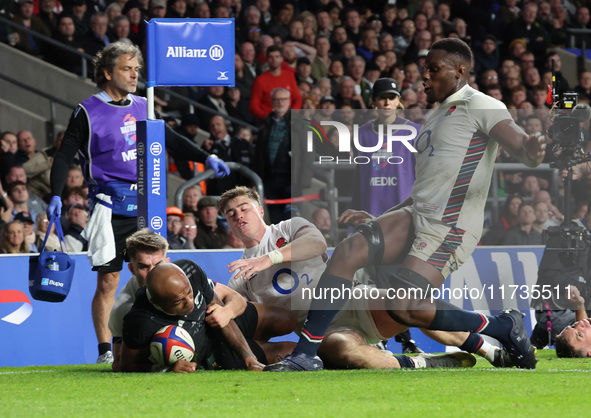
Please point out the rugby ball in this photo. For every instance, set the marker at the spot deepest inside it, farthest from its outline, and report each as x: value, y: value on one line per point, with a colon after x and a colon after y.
x: 170, y: 344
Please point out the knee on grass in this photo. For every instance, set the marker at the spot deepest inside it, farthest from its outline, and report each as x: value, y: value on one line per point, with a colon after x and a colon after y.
x: 341, y: 350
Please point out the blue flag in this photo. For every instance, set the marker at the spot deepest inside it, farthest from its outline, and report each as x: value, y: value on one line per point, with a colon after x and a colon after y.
x: 190, y: 52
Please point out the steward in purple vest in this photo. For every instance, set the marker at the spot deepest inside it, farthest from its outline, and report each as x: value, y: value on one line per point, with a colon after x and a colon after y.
x: 102, y: 132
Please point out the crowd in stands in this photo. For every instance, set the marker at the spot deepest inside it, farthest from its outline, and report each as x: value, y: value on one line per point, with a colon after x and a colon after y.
x: 25, y: 191
x: 310, y: 54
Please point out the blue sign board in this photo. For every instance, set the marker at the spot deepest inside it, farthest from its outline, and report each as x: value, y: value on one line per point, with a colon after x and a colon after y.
x: 190, y: 52
x: 151, y: 176
x: 43, y: 333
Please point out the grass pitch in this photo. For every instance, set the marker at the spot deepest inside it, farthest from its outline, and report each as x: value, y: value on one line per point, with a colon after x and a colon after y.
x: 557, y: 386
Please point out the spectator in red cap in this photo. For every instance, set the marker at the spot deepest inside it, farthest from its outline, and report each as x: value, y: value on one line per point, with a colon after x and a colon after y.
x: 174, y: 224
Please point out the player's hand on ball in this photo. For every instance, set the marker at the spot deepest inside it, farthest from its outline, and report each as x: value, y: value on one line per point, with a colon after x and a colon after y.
x: 354, y: 217
x: 184, y: 366
x: 253, y: 364
x: 217, y: 316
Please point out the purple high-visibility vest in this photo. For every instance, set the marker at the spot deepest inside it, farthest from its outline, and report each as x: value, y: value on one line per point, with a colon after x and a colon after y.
x: 111, y: 153
x: 387, y: 180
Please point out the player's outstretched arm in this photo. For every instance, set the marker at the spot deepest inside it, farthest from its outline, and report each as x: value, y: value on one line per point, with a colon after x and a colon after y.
x: 138, y: 360
x: 529, y: 149
x: 355, y: 217
x: 77, y: 129
x: 135, y: 360
x: 308, y: 243
x: 578, y: 303
x: 230, y: 305
x: 235, y: 339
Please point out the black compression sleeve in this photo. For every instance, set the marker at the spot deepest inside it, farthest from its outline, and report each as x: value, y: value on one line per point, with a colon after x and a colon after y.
x: 75, y: 133
x: 181, y: 147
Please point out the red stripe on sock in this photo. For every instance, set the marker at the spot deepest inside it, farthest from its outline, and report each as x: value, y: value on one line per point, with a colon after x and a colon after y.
x: 484, y: 322
x: 480, y: 344
x: 313, y: 337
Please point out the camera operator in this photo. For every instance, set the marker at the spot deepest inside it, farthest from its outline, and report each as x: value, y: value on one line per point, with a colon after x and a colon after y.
x: 575, y: 340
x: 565, y: 266
x: 557, y: 270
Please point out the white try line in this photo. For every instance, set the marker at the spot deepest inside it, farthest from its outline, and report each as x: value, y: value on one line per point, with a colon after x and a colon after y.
x: 516, y: 370
x: 29, y: 371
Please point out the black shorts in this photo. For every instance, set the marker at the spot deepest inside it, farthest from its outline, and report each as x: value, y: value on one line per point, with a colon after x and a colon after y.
x: 248, y: 321
x: 123, y: 227
x: 228, y: 359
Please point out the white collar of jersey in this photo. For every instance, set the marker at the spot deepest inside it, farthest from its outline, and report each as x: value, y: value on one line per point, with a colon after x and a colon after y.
x: 249, y: 252
x: 456, y: 95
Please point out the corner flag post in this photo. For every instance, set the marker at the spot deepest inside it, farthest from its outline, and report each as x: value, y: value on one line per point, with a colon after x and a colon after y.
x: 181, y: 52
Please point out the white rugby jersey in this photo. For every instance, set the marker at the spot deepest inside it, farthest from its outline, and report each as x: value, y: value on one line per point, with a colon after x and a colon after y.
x: 455, y: 160
x: 282, y: 284
x: 122, y: 305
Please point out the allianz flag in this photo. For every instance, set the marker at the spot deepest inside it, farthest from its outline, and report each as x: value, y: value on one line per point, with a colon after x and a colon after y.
x: 190, y: 52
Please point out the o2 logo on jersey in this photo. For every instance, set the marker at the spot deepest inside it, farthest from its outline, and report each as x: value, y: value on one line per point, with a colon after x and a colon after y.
x: 423, y: 143
x: 128, y: 129
x: 296, y: 281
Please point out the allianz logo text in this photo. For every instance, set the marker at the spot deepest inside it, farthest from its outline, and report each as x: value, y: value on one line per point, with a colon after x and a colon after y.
x: 216, y: 52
